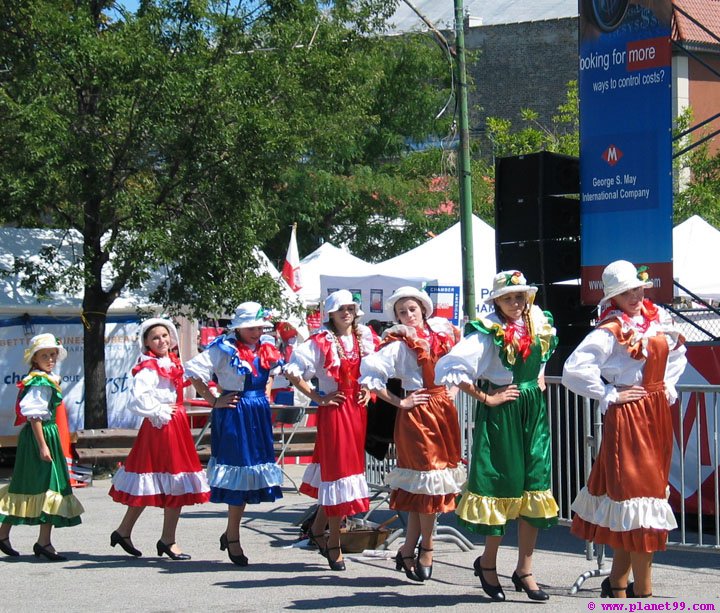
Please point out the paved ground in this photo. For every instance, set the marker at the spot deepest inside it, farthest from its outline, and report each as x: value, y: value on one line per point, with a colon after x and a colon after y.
x: 281, y: 577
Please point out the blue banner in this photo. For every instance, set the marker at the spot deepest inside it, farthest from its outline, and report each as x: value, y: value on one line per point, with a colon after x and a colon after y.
x: 625, y: 141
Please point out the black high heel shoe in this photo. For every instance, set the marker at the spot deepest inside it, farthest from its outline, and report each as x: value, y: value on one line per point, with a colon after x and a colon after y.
x: 608, y: 591
x: 531, y: 594
x: 335, y: 564
x: 7, y: 549
x: 124, y: 541
x: 400, y: 565
x: 423, y: 572
x: 494, y: 591
x: 237, y: 559
x: 164, y: 548
x: 42, y: 550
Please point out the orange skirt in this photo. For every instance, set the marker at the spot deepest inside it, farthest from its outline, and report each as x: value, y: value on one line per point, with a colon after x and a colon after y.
x: 625, y: 503
x: 428, y: 476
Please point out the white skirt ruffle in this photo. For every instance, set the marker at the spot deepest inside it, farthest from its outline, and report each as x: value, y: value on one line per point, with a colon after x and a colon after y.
x: 333, y: 493
x: 243, y: 478
x: 428, y: 482
x: 626, y: 515
x: 153, y: 484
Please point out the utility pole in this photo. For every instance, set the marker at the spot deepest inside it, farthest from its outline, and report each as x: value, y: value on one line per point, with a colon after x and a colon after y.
x: 466, y: 234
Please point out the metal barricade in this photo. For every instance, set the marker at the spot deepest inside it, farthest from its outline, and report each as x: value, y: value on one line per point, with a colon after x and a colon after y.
x: 576, y: 433
x: 694, y: 471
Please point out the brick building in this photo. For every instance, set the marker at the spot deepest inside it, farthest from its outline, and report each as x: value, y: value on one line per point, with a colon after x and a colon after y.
x: 526, y: 51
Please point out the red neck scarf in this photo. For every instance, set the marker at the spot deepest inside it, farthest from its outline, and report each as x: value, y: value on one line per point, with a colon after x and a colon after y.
x: 175, y: 373
x: 518, y: 335
x: 648, y: 311
x: 440, y: 343
x: 269, y: 355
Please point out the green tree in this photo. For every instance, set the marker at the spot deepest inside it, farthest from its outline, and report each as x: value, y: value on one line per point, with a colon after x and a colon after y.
x: 697, y: 172
x: 171, y: 138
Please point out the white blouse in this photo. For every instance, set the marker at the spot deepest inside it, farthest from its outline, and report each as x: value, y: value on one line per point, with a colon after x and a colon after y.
x: 307, y: 361
x: 477, y: 357
x: 397, y: 360
x: 153, y: 396
x: 600, y: 364
x: 34, y: 404
x: 214, y: 361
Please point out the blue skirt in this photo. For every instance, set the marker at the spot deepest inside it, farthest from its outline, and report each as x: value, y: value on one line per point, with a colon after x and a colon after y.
x: 242, y: 466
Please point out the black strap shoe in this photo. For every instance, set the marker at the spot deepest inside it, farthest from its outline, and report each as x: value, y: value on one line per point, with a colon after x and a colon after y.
x: 124, y: 541
x: 52, y: 556
x: 164, y: 548
x: 531, y: 594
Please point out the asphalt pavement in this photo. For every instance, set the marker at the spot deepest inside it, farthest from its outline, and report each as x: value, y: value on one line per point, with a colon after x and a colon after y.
x: 284, y: 575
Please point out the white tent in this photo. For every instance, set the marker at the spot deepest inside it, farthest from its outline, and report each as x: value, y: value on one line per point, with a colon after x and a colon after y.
x: 327, y: 260
x: 696, y: 253
x: 436, y: 263
x: 441, y: 258
x: 27, y: 244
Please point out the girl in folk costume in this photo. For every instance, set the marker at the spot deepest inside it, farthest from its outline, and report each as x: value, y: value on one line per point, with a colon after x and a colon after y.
x: 510, y: 470
x: 242, y: 467
x: 163, y: 468
x: 630, y: 364
x: 428, y: 475
x: 39, y: 492
x: 336, y: 476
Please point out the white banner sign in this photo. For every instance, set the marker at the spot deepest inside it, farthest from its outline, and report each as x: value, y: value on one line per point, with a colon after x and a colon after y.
x: 121, y: 352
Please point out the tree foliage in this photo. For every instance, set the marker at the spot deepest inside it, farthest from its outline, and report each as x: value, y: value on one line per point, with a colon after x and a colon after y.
x: 183, y: 136
x: 697, y: 188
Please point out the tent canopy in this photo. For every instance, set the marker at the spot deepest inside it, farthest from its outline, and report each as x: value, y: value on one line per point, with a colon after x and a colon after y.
x: 441, y: 258
x: 327, y: 260
x: 696, y: 251
x: 27, y: 244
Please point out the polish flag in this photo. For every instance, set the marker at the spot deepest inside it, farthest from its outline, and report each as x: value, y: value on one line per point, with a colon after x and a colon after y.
x: 291, y: 267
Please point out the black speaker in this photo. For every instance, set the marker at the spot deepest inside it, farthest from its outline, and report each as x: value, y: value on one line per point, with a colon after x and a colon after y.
x: 523, y: 177
x: 526, y: 202
x: 537, y: 219
x: 563, y: 301
x: 542, y: 262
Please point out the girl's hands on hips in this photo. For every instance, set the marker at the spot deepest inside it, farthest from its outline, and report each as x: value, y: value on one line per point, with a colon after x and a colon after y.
x: 414, y: 399
x: 226, y: 401
x: 363, y: 396
x: 331, y: 399
x: 630, y: 393
x: 502, y: 395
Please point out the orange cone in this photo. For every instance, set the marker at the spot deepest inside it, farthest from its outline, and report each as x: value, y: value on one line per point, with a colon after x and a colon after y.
x: 61, y: 420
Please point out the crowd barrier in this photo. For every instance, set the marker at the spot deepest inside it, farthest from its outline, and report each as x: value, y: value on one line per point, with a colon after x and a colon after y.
x: 576, y: 433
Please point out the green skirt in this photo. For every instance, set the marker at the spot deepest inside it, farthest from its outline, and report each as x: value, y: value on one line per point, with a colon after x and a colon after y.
x: 510, y: 470
x: 39, y: 492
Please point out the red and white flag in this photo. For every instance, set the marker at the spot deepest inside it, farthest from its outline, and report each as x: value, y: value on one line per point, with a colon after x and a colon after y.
x: 291, y: 267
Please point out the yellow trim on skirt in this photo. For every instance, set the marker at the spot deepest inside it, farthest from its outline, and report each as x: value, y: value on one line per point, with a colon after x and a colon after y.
x: 34, y: 505
x: 491, y: 511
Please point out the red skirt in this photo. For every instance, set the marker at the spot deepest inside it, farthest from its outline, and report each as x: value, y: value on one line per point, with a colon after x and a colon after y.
x: 163, y: 468
x: 336, y: 476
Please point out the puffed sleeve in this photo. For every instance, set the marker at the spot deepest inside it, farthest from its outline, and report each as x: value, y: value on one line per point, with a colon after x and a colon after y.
x: 378, y: 367
x: 677, y: 360
x: 582, y: 372
x: 367, y: 340
x: 303, y: 361
x: 144, y: 400
x: 34, y: 405
x: 466, y: 361
x: 200, y: 367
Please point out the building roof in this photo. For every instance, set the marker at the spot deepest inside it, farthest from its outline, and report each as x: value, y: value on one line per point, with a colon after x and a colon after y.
x: 707, y: 12
x: 479, y: 12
